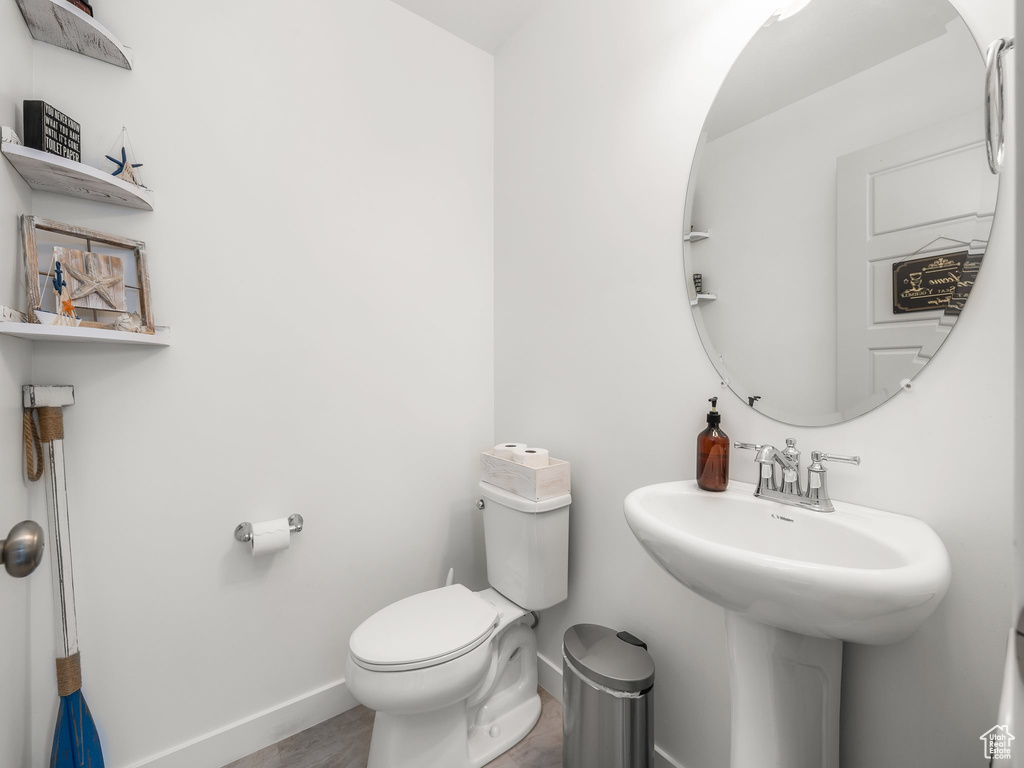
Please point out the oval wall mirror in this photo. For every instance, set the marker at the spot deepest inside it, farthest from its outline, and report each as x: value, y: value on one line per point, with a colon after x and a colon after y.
x: 839, y: 205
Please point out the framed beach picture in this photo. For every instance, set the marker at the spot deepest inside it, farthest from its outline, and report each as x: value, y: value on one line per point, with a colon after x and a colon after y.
x: 80, y: 277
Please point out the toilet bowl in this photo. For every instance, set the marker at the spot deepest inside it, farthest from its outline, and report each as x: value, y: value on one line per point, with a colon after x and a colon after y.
x: 452, y: 673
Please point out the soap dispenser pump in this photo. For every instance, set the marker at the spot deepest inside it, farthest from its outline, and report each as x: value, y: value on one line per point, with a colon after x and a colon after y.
x: 713, y: 453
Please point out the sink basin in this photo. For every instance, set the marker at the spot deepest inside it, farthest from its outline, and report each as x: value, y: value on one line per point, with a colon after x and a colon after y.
x: 794, y: 583
x: 856, y: 574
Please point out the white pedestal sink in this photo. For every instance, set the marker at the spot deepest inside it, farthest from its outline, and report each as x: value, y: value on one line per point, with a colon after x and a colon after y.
x: 795, y: 584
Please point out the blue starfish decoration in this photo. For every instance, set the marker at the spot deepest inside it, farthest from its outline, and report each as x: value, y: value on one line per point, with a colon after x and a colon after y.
x: 122, y: 163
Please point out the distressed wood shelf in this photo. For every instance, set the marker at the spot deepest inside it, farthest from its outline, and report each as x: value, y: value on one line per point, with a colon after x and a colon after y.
x: 34, y: 332
x: 59, y: 23
x: 695, y: 236
x: 702, y: 297
x: 49, y: 173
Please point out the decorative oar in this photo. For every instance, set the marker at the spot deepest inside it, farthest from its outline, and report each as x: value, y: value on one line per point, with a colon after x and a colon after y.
x: 75, y: 741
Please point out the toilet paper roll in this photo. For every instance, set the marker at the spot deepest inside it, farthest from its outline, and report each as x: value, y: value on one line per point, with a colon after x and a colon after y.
x: 504, y: 450
x: 530, y: 457
x: 271, y: 536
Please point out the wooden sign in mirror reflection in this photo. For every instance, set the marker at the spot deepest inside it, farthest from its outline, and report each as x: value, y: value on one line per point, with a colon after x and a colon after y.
x: 928, y: 284
x: 968, y: 274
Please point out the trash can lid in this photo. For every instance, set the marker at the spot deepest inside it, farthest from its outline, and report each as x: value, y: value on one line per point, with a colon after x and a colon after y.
x: 616, y: 660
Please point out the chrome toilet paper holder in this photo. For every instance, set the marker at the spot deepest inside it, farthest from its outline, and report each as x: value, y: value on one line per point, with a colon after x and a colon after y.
x: 243, y: 532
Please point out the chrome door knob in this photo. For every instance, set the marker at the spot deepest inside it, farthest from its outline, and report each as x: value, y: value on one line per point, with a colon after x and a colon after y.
x: 22, y: 550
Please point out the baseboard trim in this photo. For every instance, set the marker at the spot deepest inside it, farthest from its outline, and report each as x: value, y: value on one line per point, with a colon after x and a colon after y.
x: 253, y: 733
x: 549, y: 675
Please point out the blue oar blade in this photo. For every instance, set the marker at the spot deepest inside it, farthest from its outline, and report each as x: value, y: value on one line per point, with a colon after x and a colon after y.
x: 75, y: 741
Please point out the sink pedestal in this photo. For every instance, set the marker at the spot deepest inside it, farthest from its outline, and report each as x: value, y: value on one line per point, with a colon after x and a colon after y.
x: 785, y: 697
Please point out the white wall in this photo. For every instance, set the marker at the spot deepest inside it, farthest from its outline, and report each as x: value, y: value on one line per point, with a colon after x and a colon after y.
x: 1015, y: 687
x: 599, y: 106
x: 773, y: 214
x: 15, y: 362
x: 322, y: 248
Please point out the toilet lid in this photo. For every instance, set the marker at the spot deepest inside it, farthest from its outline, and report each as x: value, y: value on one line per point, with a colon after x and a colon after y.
x: 424, y: 630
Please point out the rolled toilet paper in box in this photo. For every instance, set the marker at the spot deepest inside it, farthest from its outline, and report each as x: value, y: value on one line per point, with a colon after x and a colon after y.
x: 530, y: 457
x: 504, y: 450
x: 271, y: 536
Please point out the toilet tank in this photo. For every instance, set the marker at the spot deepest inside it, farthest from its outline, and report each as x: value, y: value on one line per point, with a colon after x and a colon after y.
x: 527, y: 547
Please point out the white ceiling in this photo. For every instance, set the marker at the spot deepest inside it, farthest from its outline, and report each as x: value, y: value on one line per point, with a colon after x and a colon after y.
x: 487, y: 24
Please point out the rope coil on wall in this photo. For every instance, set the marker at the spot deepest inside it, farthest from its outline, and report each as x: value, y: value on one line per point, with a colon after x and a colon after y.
x: 33, y: 447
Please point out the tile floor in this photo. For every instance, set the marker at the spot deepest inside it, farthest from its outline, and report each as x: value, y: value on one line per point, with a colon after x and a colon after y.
x: 344, y: 742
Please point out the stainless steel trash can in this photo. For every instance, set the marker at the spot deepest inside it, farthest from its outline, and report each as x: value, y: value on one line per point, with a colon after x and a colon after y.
x: 607, y: 706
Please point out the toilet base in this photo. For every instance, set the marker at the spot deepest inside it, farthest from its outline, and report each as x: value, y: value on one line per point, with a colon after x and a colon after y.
x: 487, y: 743
x: 472, y: 732
x: 441, y: 738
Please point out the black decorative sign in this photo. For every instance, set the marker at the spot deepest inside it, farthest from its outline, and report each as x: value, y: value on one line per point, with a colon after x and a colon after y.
x: 51, y: 131
x: 934, y: 282
x: 968, y: 274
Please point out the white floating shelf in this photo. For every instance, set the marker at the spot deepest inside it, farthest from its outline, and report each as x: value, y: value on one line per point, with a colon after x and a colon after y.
x: 50, y: 173
x: 702, y: 297
x: 35, y: 332
x: 59, y: 23
x: 695, y: 236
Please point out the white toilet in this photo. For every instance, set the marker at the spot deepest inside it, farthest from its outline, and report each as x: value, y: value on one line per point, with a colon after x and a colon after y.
x: 452, y: 673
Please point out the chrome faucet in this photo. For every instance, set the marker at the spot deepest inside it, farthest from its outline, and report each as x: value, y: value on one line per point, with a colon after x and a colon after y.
x: 791, y: 490
x: 791, y: 470
x: 769, y: 458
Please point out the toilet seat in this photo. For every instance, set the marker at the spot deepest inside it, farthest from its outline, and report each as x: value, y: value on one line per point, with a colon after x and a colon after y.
x: 424, y: 630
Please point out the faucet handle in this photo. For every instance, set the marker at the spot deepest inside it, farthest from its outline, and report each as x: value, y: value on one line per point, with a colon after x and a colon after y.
x: 791, y: 442
x: 818, y: 456
x: 766, y: 479
x: 817, y: 479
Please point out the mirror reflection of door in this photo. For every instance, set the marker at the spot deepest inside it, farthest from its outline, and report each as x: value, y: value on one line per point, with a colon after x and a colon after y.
x: 846, y: 139
x: 910, y: 197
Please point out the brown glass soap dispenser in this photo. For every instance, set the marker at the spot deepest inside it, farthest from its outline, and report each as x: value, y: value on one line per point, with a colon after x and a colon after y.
x: 713, y: 453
